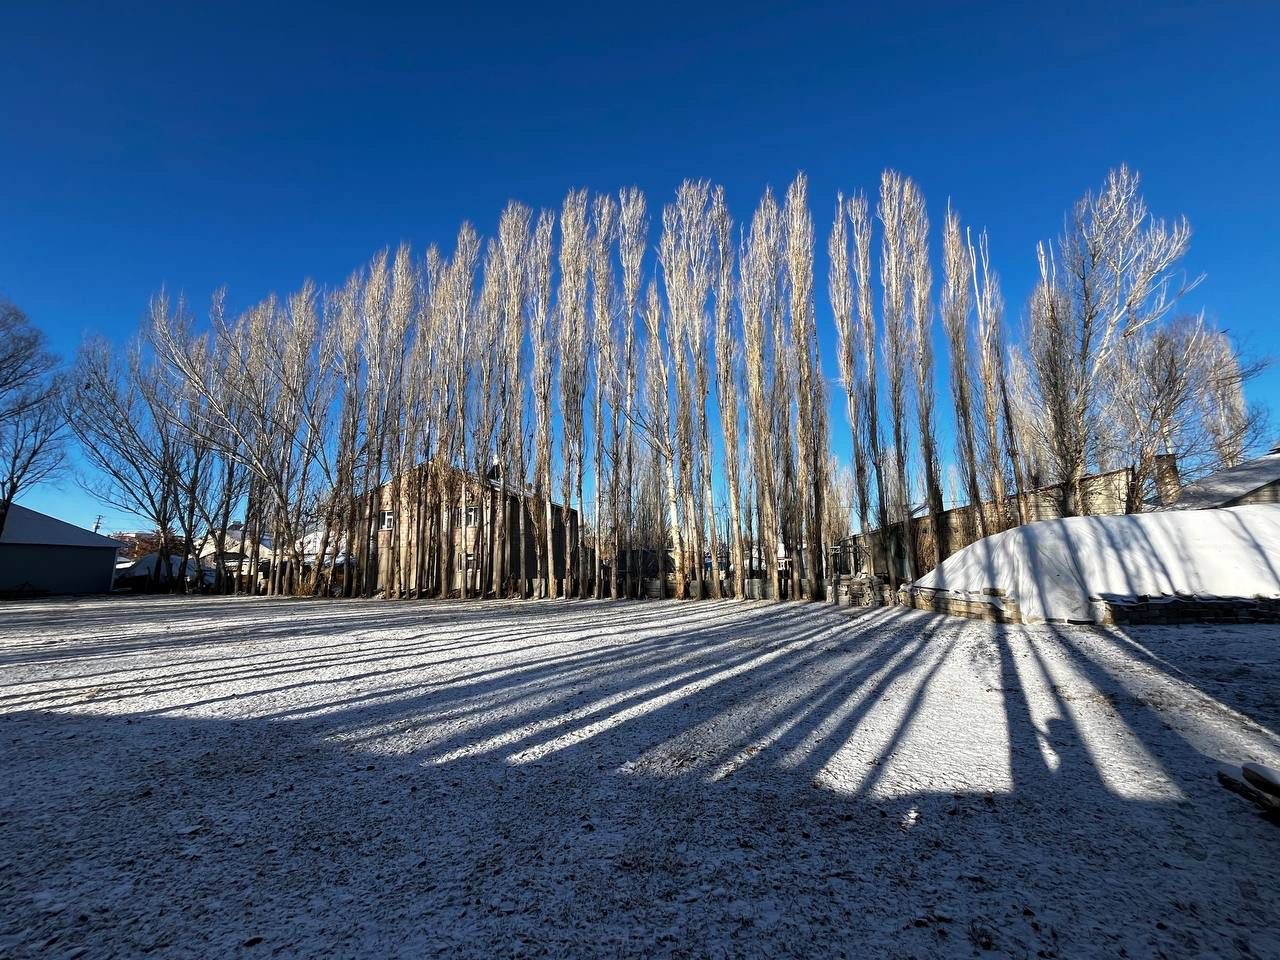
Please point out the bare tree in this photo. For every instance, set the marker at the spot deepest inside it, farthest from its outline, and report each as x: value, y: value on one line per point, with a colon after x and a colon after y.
x: 841, y: 502
x: 31, y: 447
x: 380, y: 427
x: 24, y: 358
x: 685, y: 252
x: 1167, y: 395
x: 543, y: 339
x: 339, y: 465
x: 757, y: 297
x: 430, y: 425
x: 658, y: 428
x: 485, y: 402
x: 573, y: 342
x: 998, y: 416
x: 190, y: 453
x: 894, y: 267
x: 269, y: 409
x: 783, y: 416
x: 860, y: 222
x: 1231, y: 423
x: 685, y: 255
x: 436, y: 360
x: 512, y: 250
x: 633, y: 228
x: 811, y: 399
x: 920, y: 282
x: 848, y: 354
x: 728, y: 393
x: 701, y: 263
x: 124, y: 439
x: 399, y: 448
x: 604, y: 227
x: 1110, y: 274
x: 460, y: 333
x: 956, y: 308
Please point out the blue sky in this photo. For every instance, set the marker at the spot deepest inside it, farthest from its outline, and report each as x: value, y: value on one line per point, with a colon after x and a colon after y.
x: 254, y: 146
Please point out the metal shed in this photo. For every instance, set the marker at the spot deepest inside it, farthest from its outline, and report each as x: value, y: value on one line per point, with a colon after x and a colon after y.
x: 40, y: 554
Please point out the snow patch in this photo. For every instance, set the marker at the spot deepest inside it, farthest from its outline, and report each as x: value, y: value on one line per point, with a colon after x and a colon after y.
x: 1061, y: 569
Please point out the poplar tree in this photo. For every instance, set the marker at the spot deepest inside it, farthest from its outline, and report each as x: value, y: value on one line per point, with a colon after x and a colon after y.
x: 573, y: 342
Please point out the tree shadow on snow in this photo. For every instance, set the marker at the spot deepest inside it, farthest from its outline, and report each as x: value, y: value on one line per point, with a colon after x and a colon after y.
x: 737, y: 780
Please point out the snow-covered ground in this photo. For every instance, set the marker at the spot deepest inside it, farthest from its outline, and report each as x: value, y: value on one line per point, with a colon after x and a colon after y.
x: 1056, y: 569
x: 291, y: 778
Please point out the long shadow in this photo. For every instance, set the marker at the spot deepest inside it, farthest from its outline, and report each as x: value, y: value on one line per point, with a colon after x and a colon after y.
x: 513, y: 755
x: 269, y: 618
x: 914, y: 703
x: 1258, y: 548
x: 798, y: 654
x: 1063, y: 735
x: 838, y: 708
x: 1119, y: 555
x: 136, y: 833
x: 628, y: 682
x: 308, y: 659
x: 1260, y: 713
x: 1025, y: 761
x: 534, y: 671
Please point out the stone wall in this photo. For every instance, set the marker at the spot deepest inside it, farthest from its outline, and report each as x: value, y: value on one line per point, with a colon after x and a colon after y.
x: 993, y: 606
x: 863, y: 592
x: 1192, y: 610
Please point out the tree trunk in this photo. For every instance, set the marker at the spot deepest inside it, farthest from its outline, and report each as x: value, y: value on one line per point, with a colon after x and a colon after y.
x: 709, y: 494
x: 677, y: 537
x: 549, y: 585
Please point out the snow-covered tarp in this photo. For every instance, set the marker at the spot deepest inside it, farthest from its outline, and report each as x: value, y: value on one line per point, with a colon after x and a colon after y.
x: 145, y: 566
x: 1058, y: 569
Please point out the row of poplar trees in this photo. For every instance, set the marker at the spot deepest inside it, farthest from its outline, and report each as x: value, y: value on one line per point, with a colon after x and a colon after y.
x: 675, y: 398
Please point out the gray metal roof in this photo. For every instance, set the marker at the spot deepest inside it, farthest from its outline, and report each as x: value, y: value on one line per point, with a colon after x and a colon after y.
x: 1226, y: 486
x: 27, y: 526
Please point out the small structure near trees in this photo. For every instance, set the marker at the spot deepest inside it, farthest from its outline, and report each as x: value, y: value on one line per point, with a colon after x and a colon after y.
x: 42, y: 555
x: 1254, y: 481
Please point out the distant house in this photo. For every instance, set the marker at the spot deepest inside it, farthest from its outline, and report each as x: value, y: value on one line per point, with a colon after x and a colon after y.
x: 405, y: 536
x: 237, y: 551
x: 40, y: 554
x: 1255, y: 481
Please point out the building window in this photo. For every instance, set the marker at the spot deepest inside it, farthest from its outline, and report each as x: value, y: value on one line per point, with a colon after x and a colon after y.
x: 388, y: 519
x: 473, y: 516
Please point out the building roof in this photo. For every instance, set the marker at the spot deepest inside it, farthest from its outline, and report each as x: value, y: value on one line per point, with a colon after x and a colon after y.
x: 29, y: 527
x: 237, y: 541
x: 1226, y: 486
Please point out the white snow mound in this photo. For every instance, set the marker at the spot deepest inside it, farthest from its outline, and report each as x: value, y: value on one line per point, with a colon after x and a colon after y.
x: 1054, y: 569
